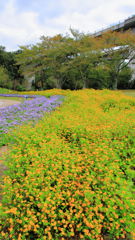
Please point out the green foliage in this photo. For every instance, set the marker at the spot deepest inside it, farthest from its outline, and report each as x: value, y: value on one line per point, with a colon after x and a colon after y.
x: 124, y: 78
x: 79, y: 61
x: 109, y: 104
x: 5, y: 91
x: 4, y: 78
x: 98, y: 77
x: 8, y: 62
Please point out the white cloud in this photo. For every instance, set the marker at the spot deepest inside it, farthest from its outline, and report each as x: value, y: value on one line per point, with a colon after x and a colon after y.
x: 25, y: 27
x: 20, y: 28
x: 97, y: 15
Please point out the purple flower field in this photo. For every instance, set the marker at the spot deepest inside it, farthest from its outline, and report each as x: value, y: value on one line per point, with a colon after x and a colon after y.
x: 30, y: 110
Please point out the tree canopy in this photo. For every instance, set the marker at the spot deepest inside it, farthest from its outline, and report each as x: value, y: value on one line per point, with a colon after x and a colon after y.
x: 75, y: 61
x: 9, y: 70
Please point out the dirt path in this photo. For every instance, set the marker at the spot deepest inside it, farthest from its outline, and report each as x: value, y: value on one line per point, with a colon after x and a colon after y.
x: 6, y: 102
x: 4, y: 149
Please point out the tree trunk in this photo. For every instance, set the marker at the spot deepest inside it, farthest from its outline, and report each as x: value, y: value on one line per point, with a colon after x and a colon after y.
x: 115, y: 83
x: 84, y: 84
x: 83, y: 80
x: 58, y: 83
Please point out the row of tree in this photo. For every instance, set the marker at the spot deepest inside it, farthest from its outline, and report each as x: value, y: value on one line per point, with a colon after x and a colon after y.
x: 74, y: 61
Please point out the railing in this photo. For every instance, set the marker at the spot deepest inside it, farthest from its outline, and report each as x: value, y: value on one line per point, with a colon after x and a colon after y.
x: 117, y: 26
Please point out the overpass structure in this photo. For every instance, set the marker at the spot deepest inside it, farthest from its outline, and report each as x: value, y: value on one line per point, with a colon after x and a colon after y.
x: 127, y: 24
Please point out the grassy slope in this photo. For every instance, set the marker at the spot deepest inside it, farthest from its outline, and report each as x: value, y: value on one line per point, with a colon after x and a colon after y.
x: 6, y: 91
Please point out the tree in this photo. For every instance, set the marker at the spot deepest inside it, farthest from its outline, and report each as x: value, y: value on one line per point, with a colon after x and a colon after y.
x: 4, y: 78
x: 63, y: 59
x: 118, y: 52
x: 8, y: 62
x: 79, y: 60
x: 124, y: 78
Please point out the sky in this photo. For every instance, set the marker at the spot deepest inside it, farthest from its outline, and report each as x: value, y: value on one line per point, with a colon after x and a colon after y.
x: 23, y: 22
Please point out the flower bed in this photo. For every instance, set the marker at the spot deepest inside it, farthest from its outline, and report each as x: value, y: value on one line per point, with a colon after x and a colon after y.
x: 71, y: 176
x: 30, y: 110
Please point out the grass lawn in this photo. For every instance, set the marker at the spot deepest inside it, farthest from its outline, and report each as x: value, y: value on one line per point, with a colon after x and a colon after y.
x: 129, y: 92
x: 13, y: 98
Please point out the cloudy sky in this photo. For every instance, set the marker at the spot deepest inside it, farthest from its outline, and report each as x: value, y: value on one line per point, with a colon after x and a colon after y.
x: 24, y: 21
